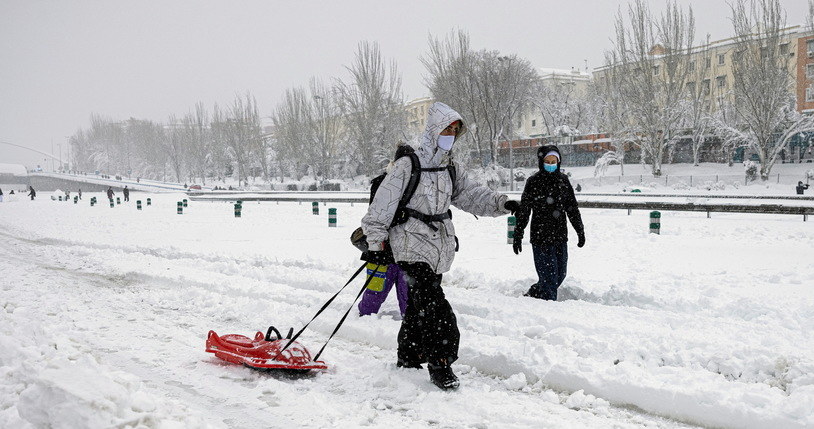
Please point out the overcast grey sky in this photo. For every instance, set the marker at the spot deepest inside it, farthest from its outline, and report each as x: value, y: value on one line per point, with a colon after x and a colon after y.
x: 62, y: 61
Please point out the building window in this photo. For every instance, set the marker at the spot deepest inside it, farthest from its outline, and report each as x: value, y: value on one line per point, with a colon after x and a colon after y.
x: 707, y: 62
x: 705, y: 86
x: 519, y: 124
x: 764, y: 52
x: 721, y: 59
x: 810, y: 46
x: 809, y: 71
x: 691, y: 88
x: 720, y: 81
x: 809, y: 94
x: 655, y: 70
x: 533, y: 123
x: 784, y: 49
x: 691, y: 66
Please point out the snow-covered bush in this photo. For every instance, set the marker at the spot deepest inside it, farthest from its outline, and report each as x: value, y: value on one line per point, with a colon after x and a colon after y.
x: 751, y: 169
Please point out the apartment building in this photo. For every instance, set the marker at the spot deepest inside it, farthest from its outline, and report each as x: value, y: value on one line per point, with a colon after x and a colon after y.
x: 417, y: 114
x: 574, y: 82
x: 805, y: 73
x: 711, y: 66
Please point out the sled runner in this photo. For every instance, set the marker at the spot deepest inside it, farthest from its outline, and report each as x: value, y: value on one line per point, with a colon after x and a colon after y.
x: 263, y: 352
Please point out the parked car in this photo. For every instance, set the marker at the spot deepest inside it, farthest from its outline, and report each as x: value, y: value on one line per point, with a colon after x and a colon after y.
x: 194, y: 187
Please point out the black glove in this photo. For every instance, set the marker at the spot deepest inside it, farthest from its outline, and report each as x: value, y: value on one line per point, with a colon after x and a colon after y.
x: 380, y: 258
x: 581, y: 239
x: 512, y: 206
x: 517, y: 245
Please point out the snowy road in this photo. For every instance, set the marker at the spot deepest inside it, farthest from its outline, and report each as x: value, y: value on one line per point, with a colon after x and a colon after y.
x: 105, y: 313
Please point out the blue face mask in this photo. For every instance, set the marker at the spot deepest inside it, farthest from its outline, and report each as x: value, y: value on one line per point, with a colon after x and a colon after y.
x: 550, y: 167
x: 445, y: 142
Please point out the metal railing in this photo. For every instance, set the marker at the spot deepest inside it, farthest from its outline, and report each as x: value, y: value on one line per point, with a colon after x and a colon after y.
x: 800, y: 208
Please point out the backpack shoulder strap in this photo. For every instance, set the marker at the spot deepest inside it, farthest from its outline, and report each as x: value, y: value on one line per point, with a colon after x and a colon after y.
x: 453, y: 174
x: 412, y: 184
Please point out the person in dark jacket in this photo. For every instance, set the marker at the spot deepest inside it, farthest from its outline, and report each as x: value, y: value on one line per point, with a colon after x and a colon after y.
x: 32, y: 193
x: 126, y: 193
x: 548, y: 193
x: 110, y: 193
x: 801, y: 188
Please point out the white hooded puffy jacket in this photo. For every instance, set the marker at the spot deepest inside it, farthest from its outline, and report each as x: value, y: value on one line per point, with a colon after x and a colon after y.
x: 415, y: 241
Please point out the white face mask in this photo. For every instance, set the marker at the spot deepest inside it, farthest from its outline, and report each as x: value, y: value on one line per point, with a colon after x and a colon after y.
x: 445, y: 142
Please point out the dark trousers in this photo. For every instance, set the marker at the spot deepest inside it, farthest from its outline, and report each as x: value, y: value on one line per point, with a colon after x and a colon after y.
x: 429, y: 330
x: 551, y: 262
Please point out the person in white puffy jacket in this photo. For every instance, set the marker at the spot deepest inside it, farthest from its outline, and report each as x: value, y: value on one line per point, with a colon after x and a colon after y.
x: 424, y: 246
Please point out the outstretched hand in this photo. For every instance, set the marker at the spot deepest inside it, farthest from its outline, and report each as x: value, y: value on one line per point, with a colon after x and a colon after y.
x: 517, y: 246
x: 581, y: 239
x: 512, y: 206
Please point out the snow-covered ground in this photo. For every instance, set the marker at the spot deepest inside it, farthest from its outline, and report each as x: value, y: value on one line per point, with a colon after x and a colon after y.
x: 104, y: 314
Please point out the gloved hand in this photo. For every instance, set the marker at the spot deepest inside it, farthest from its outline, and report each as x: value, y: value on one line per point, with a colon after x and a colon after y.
x: 512, y: 206
x: 517, y: 245
x: 581, y: 239
x: 378, y: 257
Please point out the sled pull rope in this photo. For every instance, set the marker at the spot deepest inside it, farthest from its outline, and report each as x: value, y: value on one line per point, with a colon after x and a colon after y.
x: 324, y: 306
x: 341, y: 321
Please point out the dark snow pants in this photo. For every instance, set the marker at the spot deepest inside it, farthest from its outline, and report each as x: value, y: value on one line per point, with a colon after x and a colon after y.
x: 429, y: 330
x: 551, y: 262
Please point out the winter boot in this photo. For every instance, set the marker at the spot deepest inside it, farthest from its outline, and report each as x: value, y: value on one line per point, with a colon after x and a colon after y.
x: 443, y: 377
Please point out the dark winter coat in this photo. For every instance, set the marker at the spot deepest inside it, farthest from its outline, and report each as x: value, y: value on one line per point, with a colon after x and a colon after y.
x: 109, y: 194
x: 551, y: 197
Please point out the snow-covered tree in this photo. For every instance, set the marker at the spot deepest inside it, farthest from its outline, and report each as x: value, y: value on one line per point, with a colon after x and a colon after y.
x: 651, y: 62
x: 372, y: 105
x: 763, y: 98
x: 490, y: 90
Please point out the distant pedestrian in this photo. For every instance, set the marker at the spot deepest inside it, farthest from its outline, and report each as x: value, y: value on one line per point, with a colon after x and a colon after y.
x: 801, y: 188
x: 32, y: 193
x: 548, y: 193
x: 126, y: 193
x: 110, y: 193
x: 80, y: 193
x: 1, y: 195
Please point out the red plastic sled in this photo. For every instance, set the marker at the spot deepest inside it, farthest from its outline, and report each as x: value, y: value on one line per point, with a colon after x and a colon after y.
x: 263, y: 352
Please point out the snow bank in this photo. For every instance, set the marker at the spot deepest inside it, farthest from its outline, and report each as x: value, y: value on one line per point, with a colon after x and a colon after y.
x: 708, y: 323
x: 51, y: 381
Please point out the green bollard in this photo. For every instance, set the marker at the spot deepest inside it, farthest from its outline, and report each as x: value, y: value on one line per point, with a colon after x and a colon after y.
x: 76, y: 200
x: 138, y: 204
x: 60, y: 197
x: 180, y: 207
x: 315, y: 208
x: 511, y: 222
x: 112, y: 203
x: 332, y: 218
x: 185, y: 202
x: 149, y: 201
x: 118, y: 201
x: 655, y: 222
x: 238, y: 209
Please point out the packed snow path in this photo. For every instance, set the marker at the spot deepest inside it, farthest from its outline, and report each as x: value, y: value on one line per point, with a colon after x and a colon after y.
x: 105, y: 312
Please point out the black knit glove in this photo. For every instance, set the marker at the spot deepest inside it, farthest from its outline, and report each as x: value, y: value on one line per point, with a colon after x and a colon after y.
x: 581, y: 238
x: 379, y: 258
x: 512, y: 206
x: 517, y: 245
